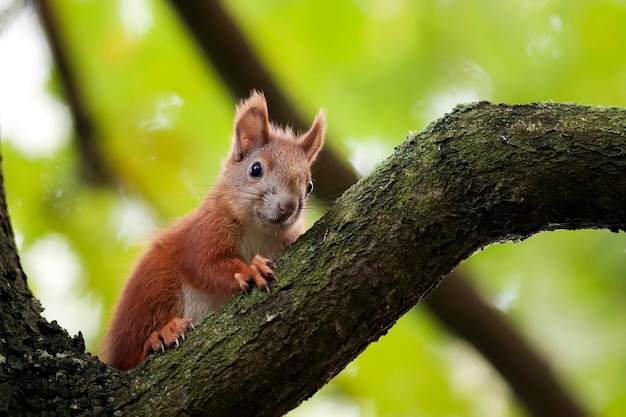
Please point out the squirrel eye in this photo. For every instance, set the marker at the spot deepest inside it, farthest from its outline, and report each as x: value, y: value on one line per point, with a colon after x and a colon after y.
x: 309, y: 188
x: 256, y: 170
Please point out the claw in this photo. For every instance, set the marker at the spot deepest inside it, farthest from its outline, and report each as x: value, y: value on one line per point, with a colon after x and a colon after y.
x: 258, y: 273
x: 168, y: 336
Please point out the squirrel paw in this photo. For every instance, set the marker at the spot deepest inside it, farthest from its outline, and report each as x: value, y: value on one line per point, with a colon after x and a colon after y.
x: 168, y: 335
x: 258, y: 272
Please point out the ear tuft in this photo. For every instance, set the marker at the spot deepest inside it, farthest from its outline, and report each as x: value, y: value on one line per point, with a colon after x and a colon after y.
x: 251, y: 124
x: 313, y: 140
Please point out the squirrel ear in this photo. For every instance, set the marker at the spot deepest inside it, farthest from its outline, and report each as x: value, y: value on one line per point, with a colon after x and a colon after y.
x: 311, y: 142
x: 252, y: 125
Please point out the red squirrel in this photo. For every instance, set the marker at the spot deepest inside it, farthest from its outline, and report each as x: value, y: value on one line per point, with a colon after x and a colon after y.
x: 249, y: 216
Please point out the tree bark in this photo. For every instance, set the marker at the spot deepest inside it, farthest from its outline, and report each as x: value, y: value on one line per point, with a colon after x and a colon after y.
x: 483, y: 174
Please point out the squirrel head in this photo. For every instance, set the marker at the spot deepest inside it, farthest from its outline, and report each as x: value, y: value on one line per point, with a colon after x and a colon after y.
x: 268, y: 172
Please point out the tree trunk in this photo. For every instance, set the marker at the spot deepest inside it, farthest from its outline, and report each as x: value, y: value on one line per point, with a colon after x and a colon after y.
x: 483, y: 174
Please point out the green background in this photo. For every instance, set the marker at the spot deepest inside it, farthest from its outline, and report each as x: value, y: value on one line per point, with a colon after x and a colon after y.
x: 380, y: 69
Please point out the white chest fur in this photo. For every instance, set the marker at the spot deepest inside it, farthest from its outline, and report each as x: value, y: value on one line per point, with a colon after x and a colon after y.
x: 265, y: 241
x: 198, y: 304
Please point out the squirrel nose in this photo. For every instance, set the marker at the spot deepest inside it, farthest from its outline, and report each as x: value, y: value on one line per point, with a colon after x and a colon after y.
x: 286, y: 206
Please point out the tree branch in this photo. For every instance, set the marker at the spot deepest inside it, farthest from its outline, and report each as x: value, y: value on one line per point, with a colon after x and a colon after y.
x: 483, y: 174
x: 224, y: 45
x: 93, y: 165
x: 485, y: 328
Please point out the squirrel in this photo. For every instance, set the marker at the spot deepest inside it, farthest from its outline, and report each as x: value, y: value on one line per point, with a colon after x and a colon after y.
x: 252, y: 213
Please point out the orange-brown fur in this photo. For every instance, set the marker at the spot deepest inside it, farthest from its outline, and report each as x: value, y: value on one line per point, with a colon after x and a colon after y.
x: 210, y: 250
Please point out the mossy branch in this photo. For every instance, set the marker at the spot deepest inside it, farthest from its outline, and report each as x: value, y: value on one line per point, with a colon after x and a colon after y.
x: 483, y: 174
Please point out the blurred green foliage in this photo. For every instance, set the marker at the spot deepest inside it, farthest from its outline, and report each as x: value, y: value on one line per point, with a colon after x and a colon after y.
x: 380, y: 68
